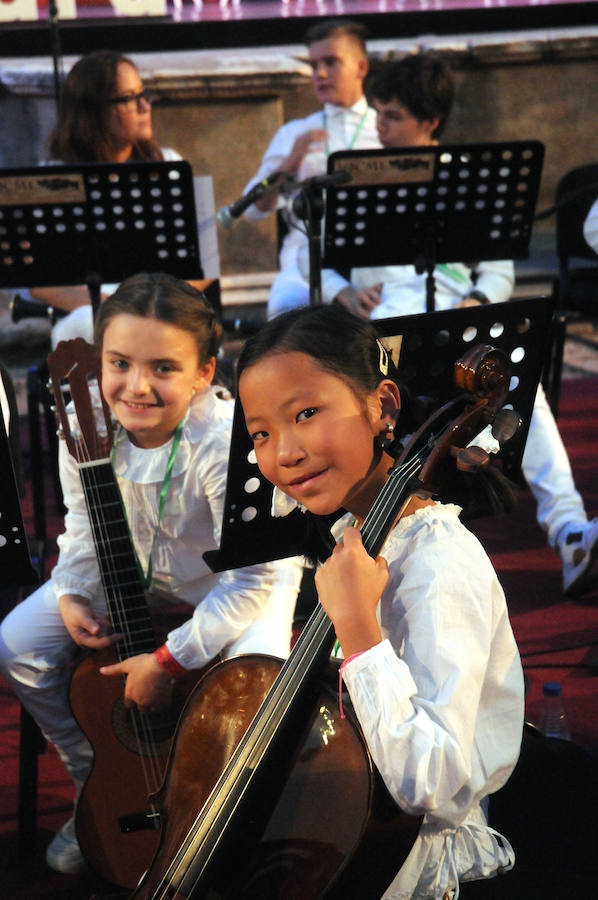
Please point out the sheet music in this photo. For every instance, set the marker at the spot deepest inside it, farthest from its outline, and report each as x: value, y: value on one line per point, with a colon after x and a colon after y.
x: 203, y: 188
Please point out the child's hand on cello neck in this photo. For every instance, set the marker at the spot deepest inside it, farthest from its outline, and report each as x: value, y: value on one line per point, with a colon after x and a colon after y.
x: 349, y: 587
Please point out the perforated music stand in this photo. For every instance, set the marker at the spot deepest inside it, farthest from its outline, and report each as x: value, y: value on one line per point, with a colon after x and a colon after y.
x: 425, y: 348
x: 93, y: 223
x: 427, y: 205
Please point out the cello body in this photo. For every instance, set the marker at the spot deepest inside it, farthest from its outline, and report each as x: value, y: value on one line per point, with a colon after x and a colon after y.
x: 270, y: 793
x: 321, y: 812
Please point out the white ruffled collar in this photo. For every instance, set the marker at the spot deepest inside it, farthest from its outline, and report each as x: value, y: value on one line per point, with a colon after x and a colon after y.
x: 147, y: 466
x: 283, y: 505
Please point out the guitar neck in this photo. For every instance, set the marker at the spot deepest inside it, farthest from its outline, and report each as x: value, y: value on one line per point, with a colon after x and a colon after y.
x: 119, y: 569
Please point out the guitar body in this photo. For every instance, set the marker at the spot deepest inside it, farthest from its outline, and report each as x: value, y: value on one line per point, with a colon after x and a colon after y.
x: 117, y: 827
x: 326, y: 825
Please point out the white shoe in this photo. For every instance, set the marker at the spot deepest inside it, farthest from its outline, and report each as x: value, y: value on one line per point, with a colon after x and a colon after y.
x: 579, y: 552
x: 63, y: 853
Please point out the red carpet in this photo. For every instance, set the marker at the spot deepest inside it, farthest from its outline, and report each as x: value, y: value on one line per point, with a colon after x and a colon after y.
x: 542, y: 620
x: 530, y: 574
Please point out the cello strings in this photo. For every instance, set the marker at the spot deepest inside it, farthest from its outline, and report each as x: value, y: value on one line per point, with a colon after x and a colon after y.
x: 262, y: 730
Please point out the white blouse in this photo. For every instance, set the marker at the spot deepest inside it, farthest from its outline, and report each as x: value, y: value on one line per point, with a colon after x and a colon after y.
x: 226, y: 603
x: 441, y: 699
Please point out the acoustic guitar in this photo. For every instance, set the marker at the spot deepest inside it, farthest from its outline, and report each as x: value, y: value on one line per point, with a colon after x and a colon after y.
x: 117, y: 827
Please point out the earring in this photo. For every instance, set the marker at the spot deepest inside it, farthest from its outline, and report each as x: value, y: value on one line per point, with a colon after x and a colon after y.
x: 386, y: 437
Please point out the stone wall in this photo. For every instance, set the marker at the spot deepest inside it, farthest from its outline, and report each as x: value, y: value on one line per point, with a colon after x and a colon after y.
x: 219, y: 110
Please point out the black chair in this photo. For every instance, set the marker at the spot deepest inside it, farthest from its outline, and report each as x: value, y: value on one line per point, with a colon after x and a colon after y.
x: 31, y: 741
x: 578, y: 263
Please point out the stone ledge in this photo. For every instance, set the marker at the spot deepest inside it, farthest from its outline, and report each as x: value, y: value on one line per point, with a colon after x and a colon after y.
x: 212, y: 74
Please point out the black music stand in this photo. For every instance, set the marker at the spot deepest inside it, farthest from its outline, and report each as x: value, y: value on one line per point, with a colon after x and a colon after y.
x: 96, y: 223
x: 425, y: 347
x: 427, y: 205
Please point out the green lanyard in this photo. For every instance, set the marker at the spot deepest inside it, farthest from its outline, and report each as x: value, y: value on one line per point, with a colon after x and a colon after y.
x: 356, y: 133
x: 176, y: 440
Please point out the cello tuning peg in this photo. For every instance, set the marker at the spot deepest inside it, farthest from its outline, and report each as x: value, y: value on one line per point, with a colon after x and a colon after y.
x: 505, y: 425
x: 470, y: 459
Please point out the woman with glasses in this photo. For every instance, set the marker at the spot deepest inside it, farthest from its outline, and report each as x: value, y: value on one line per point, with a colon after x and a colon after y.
x: 105, y: 115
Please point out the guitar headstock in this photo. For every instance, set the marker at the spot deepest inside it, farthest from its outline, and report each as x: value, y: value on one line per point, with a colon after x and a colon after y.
x: 74, y: 368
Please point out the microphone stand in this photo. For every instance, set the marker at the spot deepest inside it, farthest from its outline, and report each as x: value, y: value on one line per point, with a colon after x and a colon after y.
x: 56, y: 52
x: 308, y: 205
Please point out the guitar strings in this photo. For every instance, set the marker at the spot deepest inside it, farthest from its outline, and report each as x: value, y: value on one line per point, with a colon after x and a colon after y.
x: 144, y: 738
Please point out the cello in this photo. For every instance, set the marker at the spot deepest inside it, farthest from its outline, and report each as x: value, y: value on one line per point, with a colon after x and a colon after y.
x: 269, y: 793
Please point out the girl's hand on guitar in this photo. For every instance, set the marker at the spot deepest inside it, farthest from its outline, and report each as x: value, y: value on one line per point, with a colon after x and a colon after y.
x: 349, y: 585
x: 148, y: 686
x: 85, y: 627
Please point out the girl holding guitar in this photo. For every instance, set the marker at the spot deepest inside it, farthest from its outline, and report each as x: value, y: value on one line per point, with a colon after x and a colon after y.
x: 431, y: 664
x: 158, y: 340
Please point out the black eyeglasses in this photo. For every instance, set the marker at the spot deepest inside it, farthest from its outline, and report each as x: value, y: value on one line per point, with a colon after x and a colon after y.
x: 130, y: 99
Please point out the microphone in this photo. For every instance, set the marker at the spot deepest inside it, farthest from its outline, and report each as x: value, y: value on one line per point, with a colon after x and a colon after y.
x: 341, y: 176
x: 227, y: 215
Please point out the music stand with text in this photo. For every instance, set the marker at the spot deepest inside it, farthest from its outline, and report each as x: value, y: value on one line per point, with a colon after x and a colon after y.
x: 426, y: 205
x: 425, y: 348
x: 96, y: 223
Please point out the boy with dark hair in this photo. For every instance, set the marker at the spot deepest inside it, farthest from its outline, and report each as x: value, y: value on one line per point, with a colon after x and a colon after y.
x: 413, y: 98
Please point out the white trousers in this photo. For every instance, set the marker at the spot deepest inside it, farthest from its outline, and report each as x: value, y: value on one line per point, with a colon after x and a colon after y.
x: 288, y: 291
x: 547, y: 470
x: 36, y: 657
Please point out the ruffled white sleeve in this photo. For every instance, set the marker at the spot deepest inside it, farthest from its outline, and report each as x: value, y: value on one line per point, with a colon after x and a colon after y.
x: 430, y: 702
x: 239, y: 595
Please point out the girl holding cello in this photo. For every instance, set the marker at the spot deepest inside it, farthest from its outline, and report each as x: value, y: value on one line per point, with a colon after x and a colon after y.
x: 430, y: 661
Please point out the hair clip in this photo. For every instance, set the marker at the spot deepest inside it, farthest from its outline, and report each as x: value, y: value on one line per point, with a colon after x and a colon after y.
x: 383, y: 359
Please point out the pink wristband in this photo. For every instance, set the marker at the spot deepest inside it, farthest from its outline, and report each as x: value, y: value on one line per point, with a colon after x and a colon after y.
x: 350, y: 658
x: 167, y: 661
x: 340, y: 680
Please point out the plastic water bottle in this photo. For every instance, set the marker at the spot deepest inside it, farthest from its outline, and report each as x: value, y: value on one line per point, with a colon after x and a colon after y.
x: 553, y: 721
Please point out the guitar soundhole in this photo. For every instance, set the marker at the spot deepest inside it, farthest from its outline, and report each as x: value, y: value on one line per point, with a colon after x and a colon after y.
x: 142, y: 734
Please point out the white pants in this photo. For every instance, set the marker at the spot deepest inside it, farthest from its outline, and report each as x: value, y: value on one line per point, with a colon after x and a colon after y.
x: 36, y: 655
x: 289, y: 290
x: 547, y: 470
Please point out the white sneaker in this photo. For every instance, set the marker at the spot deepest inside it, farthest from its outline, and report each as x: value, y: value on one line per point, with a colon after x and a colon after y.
x: 63, y: 853
x: 579, y: 552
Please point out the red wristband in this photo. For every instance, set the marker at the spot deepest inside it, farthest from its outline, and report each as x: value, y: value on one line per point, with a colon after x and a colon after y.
x: 167, y: 661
